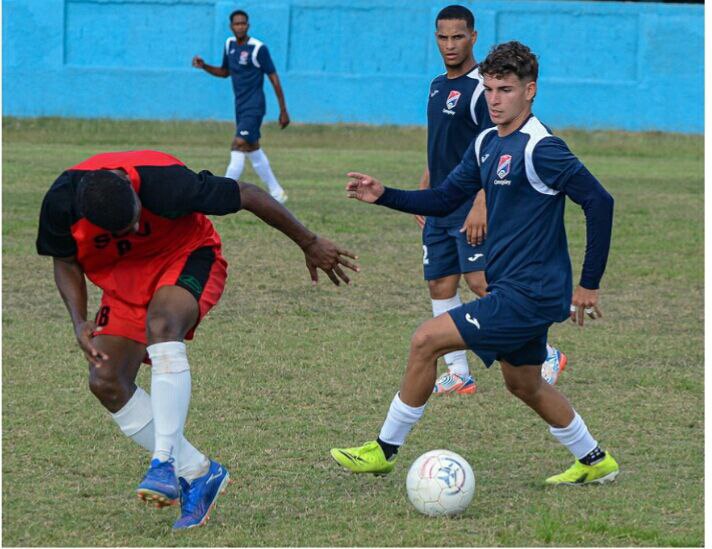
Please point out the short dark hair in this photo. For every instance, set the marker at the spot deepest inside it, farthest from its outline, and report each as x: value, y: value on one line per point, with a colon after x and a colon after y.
x: 106, y: 199
x: 511, y: 58
x: 239, y: 12
x: 456, y: 12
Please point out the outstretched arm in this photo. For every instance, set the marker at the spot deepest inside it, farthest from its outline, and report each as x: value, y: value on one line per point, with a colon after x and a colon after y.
x: 220, y: 72
x: 283, y: 115
x: 70, y: 281
x: 319, y: 252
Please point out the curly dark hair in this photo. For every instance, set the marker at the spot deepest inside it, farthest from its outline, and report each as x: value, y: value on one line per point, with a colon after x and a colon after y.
x: 106, y: 199
x: 511, y: 58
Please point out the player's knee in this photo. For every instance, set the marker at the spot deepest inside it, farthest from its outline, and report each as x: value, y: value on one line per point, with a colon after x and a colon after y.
x: 423, y: 341
x: 442, y: 289
x: 525, y: 390
x: 106, y: 387
x: 161, y: 326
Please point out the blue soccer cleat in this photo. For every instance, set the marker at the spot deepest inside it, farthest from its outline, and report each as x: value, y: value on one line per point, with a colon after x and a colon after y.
x: 160, y: 485
x: 199, y: 497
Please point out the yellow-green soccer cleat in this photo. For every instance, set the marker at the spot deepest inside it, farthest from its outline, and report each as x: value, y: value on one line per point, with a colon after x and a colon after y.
x: 368, y: 458
x: 579, y: 474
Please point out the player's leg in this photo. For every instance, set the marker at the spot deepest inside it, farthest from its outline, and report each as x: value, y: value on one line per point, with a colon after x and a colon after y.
x: 442, y: 272
x: 249, y: 132
x: 173, y: 314
x: 592, y: 464
x: 432, y: 339
x: 237, y: 152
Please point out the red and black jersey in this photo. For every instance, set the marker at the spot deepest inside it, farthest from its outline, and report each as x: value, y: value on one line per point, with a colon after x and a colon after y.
x: 174, y: 201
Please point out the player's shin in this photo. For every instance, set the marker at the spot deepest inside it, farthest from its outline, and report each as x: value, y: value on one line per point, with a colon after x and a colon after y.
x: 400, y: 420
x: 236, y: 165
x: 576, y: 437
x: 170, y: 390
x: 262, y: 168
x: 457, y: 360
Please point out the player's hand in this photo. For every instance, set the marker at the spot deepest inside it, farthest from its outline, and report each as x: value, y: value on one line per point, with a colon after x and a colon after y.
x: 363, y: 187
x: 584, y: 303
x: 420, y: 220
x: 327, y: 256
x: 283, y: 119
x: 198, y: 62
x: 84, y: 332
x: 476, y: 223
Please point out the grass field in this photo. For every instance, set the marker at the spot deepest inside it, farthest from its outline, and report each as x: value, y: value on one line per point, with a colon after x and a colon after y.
x: 282, y: 372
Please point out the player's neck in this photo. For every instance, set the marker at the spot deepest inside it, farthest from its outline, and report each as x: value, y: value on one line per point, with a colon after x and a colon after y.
x: 503, y: 130
x: 243, y: 41
x: 464, y: 68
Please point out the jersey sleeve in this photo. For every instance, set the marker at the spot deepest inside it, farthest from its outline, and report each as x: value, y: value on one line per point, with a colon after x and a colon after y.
x: 482, y: 113
x: 54, y: 236
x: 174, y: 191
x: 265, y: 61
x: 225, y: 64
x: 554, y: 163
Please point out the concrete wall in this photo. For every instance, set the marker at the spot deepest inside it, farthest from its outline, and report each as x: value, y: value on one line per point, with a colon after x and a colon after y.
x: 633, y: 66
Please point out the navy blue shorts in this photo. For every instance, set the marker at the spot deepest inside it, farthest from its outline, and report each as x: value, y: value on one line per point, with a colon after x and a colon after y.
x: 496, y: 327
x: 248, y: 126
x: 446, y: 252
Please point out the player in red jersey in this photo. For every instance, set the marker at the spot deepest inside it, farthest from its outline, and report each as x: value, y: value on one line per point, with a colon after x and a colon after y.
x: 135, y: 224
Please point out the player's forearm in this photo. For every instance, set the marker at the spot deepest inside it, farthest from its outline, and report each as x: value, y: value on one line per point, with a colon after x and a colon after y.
x: 273, y: 213
x: 70, y: 281
x: 279, y: 94
x: 597, y: 204
x: 437, y: 202
x: 220, y: 72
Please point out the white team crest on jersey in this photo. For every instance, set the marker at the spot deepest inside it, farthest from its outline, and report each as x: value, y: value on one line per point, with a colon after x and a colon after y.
x: 504, y: 165
x: 452, y: 99
x: 244, y: 54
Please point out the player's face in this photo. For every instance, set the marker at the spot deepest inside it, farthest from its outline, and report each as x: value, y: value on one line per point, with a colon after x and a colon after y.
x: 455, y: 41
x: 239, y: 26
x: 508, y: 97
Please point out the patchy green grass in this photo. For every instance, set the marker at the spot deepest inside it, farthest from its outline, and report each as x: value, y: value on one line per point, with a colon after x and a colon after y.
x: 283, y: 371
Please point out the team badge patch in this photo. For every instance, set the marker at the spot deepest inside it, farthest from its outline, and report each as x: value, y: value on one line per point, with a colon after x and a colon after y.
x: 452, y: 99
x: 505, y: 163
x: 243, y: 57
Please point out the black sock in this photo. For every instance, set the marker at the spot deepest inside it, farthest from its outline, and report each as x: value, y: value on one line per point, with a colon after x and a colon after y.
x: 593, y: 457
x: 389, y: 450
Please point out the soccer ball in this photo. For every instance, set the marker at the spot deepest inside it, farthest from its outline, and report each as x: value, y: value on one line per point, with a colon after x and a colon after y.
x: 440, y: 483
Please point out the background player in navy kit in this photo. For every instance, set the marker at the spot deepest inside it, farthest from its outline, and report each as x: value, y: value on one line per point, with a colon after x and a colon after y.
x: 247, y: 60
x: 454, y: 244
x: 526, y: 173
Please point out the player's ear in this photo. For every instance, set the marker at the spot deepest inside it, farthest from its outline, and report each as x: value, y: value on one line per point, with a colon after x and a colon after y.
x: 530, y: 90
x: 473, y: 38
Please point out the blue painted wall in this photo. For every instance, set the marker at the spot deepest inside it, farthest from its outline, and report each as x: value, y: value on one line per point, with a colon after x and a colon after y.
x: 603, y: 65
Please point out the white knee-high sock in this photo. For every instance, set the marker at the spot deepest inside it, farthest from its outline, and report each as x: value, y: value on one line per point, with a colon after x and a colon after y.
x: 457, y: 360
x: 170, y: 396
x: 236, y: 165
x: 400, y: 420
x: 135, y: 420
x: 575, y: 437
x: 260, y: 163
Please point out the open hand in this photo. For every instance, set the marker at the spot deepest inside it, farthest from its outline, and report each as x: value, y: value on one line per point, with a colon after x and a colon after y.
x: 363, y: 187
x: 328, y: 257
x: 476, y: 222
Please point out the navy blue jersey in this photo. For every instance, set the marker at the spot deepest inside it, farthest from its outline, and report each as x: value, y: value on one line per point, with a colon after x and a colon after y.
x: 248, y: 63
x: 457, y: 113
x: 526, y: 176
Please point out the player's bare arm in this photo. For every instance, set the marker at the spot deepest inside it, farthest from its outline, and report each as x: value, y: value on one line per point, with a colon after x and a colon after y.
x: 424, y: 184
x: 476, y: 222
x: 279, y: 93
x: 220, y: 72
x: 318, y: 252
x: 70, y: 281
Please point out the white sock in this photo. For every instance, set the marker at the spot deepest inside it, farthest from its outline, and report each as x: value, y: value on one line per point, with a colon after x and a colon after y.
x: 170, y: 390
x: 260, y: 163
x: 135, y: 420
x: 236, y: 165
x: 457, y: 360
x: 400, y: 420
x: 575, y: 437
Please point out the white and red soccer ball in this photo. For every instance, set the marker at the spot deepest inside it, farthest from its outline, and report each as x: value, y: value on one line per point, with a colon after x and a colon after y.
x: 440, y: 483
